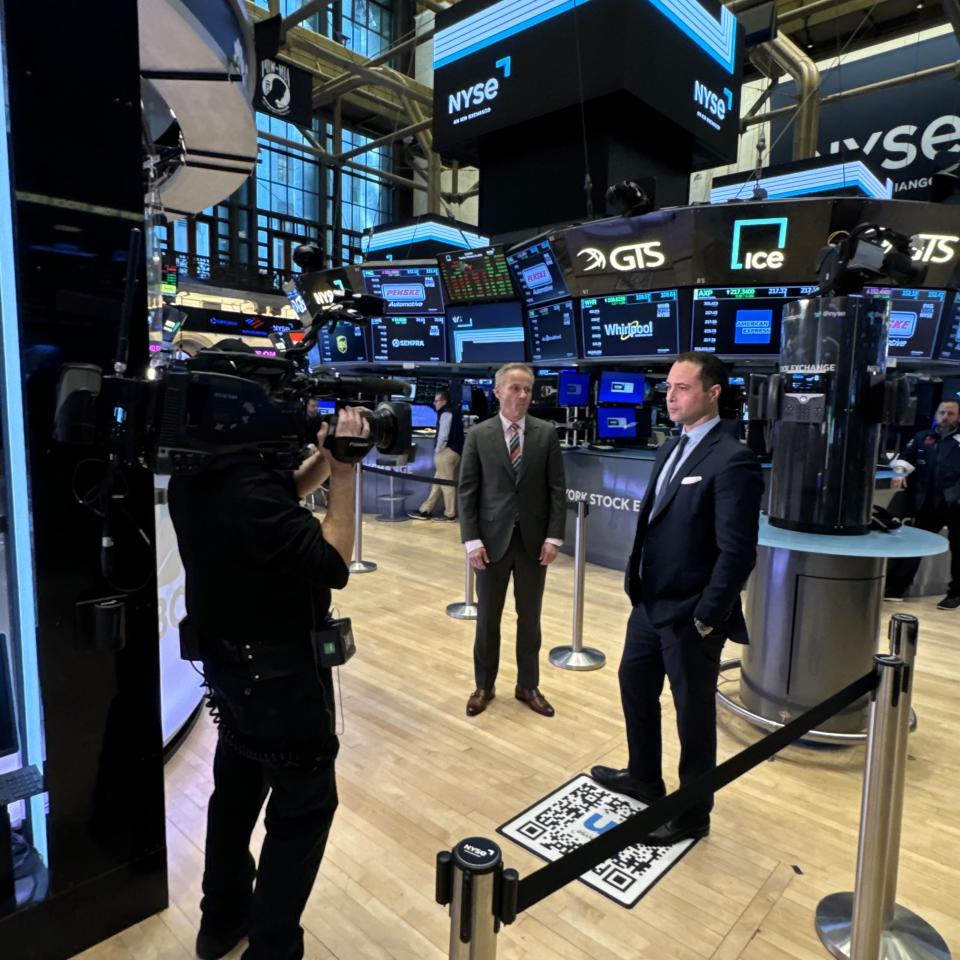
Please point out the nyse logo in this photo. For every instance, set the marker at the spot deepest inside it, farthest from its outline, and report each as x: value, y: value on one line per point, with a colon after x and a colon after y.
x: 480, y: 93
x: 324, y: 298
x: 940, y: 135
x: 716, y: 105
x: 632, y: 256
x: 747, y: 254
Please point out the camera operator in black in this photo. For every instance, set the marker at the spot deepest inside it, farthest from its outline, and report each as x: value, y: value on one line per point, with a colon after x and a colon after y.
x: 259, y: 571
x: 932, y: 486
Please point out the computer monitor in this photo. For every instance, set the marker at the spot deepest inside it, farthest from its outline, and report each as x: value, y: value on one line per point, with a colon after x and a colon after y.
x: 345, y: 343
x: 326, y: 407
x: 485, y: 333
x: 950, y: 342
x: 422, y: 416
x: 623, y: 423
x: 545, y: 390
x: 574, y: 389
x: 536, y: 273
x: 472, y: 275
x: 631, y: 325
x: 621, y: 387
x: 9, y: 741
x: 409, y: 339
x: 552, y: 331
x: 409, y: 288
x: 741, y: 321
x: 914, y: 320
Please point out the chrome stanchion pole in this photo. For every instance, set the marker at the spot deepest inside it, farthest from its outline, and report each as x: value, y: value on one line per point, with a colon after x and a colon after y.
x: 468, y: 609
x: 468, y: 879
x: 860, y: 925
x: 359, y: 565
x: 577, y: 656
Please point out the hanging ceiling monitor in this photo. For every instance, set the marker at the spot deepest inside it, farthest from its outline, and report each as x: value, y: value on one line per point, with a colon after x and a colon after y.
x: 476, y: 275
x: 485, y: 333
x: 914, y: 320
x: 408, y: 288
x: 574, y: 389
x: 408, y: 339
x: 631, y: 325
x: 741, y: 321
x: 538, y: 277
x: 552, y: 331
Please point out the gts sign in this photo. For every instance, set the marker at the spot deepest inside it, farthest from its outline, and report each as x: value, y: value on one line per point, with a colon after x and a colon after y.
x: 479, y: 93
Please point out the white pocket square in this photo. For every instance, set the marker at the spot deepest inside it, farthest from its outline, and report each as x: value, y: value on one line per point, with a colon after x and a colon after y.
x: 686, y: 480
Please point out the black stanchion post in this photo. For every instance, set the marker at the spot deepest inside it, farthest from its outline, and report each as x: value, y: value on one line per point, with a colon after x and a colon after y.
x: 867, y: 924
x: 359, y: 565
x: 577, y: 656
x: 471, y: 880
x: 468, y: 609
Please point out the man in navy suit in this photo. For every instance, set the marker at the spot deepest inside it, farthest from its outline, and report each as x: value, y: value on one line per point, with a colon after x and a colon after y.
x: 695, y: 545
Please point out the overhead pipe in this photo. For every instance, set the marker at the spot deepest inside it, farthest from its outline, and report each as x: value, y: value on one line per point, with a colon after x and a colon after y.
x: 789, y: 57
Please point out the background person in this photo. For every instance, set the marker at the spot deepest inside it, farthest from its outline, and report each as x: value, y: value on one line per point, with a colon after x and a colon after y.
x: 512, y: 519
x: 448, y: 447
x: 931, y: 461
x: 695, y: 545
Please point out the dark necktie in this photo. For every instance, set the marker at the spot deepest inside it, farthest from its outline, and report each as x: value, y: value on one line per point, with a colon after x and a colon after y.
x: 674, y: 466
x: 515, y: 446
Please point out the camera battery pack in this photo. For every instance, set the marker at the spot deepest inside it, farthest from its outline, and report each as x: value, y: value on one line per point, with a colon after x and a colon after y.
x: 333, y: 646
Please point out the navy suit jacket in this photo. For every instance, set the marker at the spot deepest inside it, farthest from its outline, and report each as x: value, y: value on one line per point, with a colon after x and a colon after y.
x: 700, y: 543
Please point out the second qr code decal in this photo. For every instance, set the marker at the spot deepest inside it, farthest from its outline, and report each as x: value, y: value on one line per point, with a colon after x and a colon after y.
x: 582, y: 810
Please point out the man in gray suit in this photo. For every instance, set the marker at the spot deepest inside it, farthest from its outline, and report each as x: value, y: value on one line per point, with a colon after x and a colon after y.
x: 512, y: 501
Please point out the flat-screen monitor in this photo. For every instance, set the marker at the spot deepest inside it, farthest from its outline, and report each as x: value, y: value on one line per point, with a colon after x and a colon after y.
x: 741, y: 321
x: 9, y: 741
x: 345, y: 343
x: 552, y: 331
x: 950, y: 343
x: 574, y: 389
x: 545, y: 390
x: 485, y: 333
x: 914, y: 320
x: 168, y: 279
x: 621, y: 387
x: 422, y: 416
x: 409, y: 339
x: 408, y: 288
x: 327, y: 407
x: 536, y: 273
x: 623, y: 423
x: 631, y: 325
x: 470, y: 275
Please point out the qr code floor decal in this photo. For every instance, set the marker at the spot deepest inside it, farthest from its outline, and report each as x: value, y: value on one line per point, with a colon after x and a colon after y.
x: 580, y: 811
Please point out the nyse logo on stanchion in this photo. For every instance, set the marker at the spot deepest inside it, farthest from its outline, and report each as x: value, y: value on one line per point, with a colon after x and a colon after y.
x: 630, y: 504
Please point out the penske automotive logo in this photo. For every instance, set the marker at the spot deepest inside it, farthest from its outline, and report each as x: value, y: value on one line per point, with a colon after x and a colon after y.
x: 631, y: 256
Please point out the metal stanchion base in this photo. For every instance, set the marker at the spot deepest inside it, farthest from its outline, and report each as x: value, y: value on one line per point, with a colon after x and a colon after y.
x: 462, y: 611
x: 908, y: 937
x: 586, y: 658
x: 383, y: 518
x: 362, y: 566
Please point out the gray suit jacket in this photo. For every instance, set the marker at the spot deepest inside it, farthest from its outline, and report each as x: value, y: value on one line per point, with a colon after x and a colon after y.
x: 492, y: 500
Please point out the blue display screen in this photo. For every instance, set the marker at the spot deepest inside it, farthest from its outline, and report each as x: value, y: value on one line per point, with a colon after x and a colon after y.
x: 422, y: 415
x: 753, y: 326
x: 617, y: 423
x: 574, y: 389
x: 621, y: 387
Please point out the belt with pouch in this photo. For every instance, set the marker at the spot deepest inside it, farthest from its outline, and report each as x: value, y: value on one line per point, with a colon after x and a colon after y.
x: 262, y: 661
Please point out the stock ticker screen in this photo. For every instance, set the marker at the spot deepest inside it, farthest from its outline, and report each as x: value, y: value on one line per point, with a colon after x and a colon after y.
x: 741, y: 321
x: 552, y: 331
x: 472, y: 275
x: 408, y: 339
x: 485, y: 333
x: 631, y: 325
x: 538, y: 277
x: 950, y: 345
x: 914, y: 320
x: 408, y: 289
x: 345, y: 343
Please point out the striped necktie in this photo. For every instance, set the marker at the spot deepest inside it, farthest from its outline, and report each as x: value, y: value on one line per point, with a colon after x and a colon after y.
x: 515, y: 446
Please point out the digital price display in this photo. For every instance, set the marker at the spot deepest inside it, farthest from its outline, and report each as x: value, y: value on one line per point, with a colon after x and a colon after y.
x: 631, y: 325
x: 471, y: 275
x: 950, y: 347
x: 741, y: 321
x: 538, y: 277
x: 409, y: 339
x: 407, y: 289
x: 168, y: 279
x: 345, y: 343
x: 485, y: 333
x: 552, y: 331
x: 914, y: 320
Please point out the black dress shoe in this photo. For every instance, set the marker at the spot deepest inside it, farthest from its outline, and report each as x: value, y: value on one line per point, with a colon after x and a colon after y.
x: 949, y: 602
x: 212, y: 946
x: 673, y: 831
x: 620, y: 781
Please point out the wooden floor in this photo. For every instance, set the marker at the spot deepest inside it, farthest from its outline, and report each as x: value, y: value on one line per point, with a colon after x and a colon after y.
x: 415, y: 775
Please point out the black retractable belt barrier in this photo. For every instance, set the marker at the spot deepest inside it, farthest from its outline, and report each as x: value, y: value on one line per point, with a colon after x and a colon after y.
x: 409, y: 476
x: 549, y: 879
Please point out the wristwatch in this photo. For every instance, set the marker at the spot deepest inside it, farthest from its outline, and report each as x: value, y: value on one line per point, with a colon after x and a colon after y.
x: 702, y: 628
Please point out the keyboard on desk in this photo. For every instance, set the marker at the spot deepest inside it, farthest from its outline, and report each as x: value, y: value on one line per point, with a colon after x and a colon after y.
x: 20, y: 785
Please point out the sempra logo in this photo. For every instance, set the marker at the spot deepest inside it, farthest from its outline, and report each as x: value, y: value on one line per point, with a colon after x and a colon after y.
x: 743, y: 258
x: 631, y: 256
x: 397, y: 342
